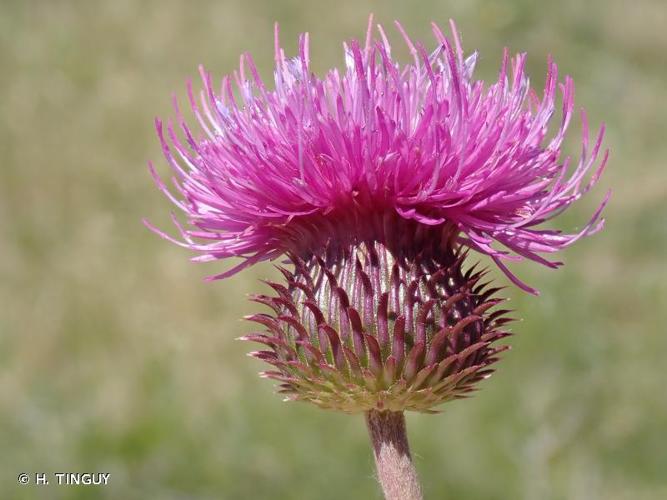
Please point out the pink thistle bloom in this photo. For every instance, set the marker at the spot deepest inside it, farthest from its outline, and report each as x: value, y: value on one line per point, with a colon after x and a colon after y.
x: 288, y: 169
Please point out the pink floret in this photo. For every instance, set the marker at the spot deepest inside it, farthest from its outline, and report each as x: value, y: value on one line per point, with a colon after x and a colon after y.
x: 269, y: 171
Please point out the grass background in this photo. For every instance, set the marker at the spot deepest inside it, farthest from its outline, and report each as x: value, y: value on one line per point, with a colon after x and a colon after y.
x: 116, y: 357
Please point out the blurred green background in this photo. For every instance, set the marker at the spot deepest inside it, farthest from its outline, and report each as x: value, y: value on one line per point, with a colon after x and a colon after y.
x: 116, y: 357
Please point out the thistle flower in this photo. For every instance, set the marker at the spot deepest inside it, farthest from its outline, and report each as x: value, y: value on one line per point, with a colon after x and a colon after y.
x: 376, y: 182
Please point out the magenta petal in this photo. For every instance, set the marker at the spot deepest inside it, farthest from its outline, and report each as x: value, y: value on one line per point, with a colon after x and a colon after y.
x: 269, y: 171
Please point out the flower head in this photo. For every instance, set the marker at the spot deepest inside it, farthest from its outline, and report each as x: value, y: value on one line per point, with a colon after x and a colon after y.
x: 375, y: 182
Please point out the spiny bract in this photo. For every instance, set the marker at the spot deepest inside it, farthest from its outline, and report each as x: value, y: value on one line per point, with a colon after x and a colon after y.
x: 366, y: 326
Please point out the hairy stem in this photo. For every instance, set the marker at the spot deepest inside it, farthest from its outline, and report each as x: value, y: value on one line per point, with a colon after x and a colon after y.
x: 396, y: 472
